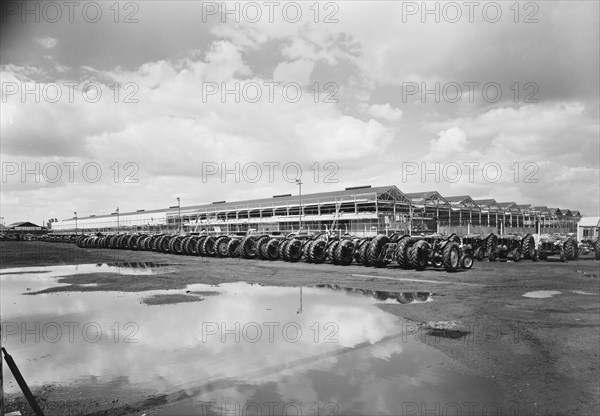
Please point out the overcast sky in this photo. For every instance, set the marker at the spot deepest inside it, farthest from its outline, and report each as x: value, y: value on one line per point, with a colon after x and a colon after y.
x: 336, y: 88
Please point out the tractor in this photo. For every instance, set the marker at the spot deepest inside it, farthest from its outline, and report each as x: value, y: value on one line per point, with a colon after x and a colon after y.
x: 590, y: 246
x: 508, y: 247
x: 555, y: 245
x: 418, y: 252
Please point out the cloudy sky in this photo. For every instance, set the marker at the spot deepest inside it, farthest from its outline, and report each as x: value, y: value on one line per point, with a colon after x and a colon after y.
x: 134, y: 104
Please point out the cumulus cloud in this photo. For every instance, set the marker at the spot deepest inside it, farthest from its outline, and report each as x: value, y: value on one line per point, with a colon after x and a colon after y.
x: 385, y: 112
x: 47, y: 42
x: 531, y: 154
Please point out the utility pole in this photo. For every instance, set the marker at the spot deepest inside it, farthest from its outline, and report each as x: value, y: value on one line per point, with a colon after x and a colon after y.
x: 179, y: 214
x: 75, y: 223
x: 299, y: 183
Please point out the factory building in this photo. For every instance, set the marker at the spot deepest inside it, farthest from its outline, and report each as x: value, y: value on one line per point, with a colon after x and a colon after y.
x: 360, y: 211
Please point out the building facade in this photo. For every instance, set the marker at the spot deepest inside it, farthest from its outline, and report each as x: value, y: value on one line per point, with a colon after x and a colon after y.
x: 360, y: 211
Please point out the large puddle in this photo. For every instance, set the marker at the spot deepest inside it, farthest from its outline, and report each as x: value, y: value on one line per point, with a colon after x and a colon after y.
x: 249, y: 349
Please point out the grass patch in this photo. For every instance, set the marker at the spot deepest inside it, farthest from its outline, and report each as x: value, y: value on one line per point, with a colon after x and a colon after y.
x: 170, y: 299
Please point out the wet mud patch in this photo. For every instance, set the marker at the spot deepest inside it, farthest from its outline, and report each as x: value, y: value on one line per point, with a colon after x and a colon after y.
x: 445, y: 329
x: 167, y: 299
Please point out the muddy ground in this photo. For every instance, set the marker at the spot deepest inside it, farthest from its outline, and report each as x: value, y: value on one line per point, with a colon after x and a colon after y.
x: 542, y: 353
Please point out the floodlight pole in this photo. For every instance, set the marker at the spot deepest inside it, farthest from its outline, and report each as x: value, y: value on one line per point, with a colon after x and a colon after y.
x: 299, y: 183
x: 179, y: 213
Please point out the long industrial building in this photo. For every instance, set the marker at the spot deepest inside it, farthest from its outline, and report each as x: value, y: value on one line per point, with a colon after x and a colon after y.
x: 360, y: 211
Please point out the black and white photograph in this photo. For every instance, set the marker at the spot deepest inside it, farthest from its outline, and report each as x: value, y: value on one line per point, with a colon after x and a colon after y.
x: 299, y: 208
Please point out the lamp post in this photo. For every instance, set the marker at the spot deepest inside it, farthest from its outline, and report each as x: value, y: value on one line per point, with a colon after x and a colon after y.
x: 299, y: 183
x: 179, y: 213
x: 75, y: 222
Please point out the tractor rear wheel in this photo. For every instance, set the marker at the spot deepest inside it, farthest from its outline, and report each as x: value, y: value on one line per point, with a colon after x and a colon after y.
x: 479, y: 253
x: 233, y: 247
x: 516, y: 255
x: 527, y: 246
x: 362, y: 253
x: 401, y: 253
x: 331, y: 252
x: 306, y: 250
x: 293, y: 250
x: 570, y: 249
x: 261, y: 247
x: 417, y: 255
x: 375, y: 248
x: 344, y: 252
x: 272, y: 249
x: 451, y: 256
x: 281, y: 249
x: 318, y: 252
x: 221, y: 246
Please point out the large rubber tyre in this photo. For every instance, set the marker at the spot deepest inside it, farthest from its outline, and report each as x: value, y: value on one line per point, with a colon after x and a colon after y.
x: 357, y: 248
x: 375, y: 248
x: 185, y: 245
x: 362, y: 254
x: 248, y: 247
x: 331, y: 252
x: 272, y: 249
x: 479, y: 253
x: 454, y: 238
x: 306, y: 251
x: 451, y: 257
x: 570, y: 247
x: 172, y: 244
x: 133, y: 242
x: 293, y: 250
x: 527, y: 246
x: 233, y: 247
x: 401, y: 253
x: 395, y: 237
x: 281, y: 249
x: 516, y: 255
x: 562, y: 256
x: 194, y: 246
x: 208, y: 246
x: 201, y: 251
x: 261, y: 247
x: 156, y: 242
x: 142, y: 241
x: 491, y: 247
x: 466, y: 261
x: 344, y: 252
x: 165, y: 242
x: 121, y: 241
x: 221, y: 246
x: 318, y: 251
x: 197, y: 245
x: 417, y: 255
x: 112, y: 241
x: 176, y: 245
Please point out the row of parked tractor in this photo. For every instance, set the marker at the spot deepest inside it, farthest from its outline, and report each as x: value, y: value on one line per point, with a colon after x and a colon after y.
x: 418, y: 252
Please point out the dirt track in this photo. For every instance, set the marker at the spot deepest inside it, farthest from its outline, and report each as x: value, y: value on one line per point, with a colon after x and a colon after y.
x: 543, y: 353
